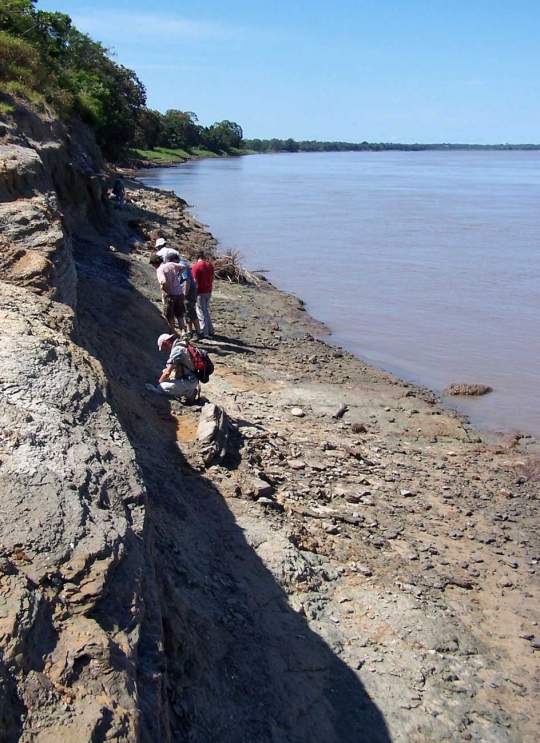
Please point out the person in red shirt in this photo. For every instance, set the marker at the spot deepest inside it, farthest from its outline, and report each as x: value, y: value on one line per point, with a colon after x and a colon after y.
x: 203, y: 273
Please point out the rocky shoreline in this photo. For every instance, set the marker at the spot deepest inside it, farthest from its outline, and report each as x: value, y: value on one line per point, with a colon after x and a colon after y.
x: 404, y: 538
x: 331, y: 556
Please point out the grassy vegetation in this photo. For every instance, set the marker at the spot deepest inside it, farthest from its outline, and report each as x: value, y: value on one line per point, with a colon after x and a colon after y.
x: 177, y: 155
x: 202, y: 152
x: 6, y: 109
x: 160, y: 154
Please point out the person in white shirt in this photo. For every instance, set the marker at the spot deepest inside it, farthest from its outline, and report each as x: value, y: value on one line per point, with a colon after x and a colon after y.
x: 170, y: 255
x: 165, y: 253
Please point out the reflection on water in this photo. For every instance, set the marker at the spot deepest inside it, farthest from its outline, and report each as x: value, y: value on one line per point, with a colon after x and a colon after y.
x: 426, y: 263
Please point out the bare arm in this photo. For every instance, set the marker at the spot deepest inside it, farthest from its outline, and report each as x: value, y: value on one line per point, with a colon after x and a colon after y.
x: 166, y: 373
x: 161, y: 281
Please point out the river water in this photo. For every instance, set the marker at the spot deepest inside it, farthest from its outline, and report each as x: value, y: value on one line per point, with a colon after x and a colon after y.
x: 426, y: 264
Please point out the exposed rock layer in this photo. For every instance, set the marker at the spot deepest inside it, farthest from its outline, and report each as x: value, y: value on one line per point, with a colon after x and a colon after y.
x: 72, y: 532
x: 331, y: 580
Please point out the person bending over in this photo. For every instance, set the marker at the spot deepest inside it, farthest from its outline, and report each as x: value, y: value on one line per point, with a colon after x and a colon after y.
x: 170, y: 255
x: 172, y: 291
x: 178, y: 379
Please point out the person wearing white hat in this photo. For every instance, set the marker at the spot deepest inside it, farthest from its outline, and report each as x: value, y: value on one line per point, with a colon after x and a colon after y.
x: 178, y: 379
x: 165, y: 253
x: 168, y: 262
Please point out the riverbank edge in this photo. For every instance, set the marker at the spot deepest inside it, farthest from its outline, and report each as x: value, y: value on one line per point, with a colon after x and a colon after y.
x: 451, y: 401
x: 427, y: 482
x: 133, y: 164
x: 165, y: 584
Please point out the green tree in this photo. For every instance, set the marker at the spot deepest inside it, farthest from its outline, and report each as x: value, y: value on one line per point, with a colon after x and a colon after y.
x: 19, y: 59
x: 42, y: 52
x: 19, y: 63
x: 149, y: 129
x: 290, y: 146
x: 231, y: 133
x: 17, y: 16
x: 223, y: 135
x: 180, y: 129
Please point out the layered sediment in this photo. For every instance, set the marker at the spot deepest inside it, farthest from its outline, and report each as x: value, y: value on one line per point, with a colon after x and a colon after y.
x: 322, y: 574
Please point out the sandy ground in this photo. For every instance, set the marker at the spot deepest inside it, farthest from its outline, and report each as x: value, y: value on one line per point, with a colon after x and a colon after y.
x: 366, y: 577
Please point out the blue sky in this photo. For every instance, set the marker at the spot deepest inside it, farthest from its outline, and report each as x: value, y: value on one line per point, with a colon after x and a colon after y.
x: 377, y: 70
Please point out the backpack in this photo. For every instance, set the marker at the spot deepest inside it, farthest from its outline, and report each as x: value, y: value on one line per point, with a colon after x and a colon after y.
x: 202, y: 363
x: 118, y: 187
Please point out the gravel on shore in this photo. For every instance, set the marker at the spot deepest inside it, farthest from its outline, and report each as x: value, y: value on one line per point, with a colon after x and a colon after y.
x: 398, y: 545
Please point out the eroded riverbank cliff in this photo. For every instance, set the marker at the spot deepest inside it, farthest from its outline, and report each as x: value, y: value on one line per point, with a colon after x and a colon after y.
x: 323, y: 579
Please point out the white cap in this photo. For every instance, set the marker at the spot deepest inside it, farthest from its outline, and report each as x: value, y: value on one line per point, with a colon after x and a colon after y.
x: 163, y: 338
x: 160, y: 242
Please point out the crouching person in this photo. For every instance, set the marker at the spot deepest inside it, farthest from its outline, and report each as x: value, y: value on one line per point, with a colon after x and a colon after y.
x: 178, y: 379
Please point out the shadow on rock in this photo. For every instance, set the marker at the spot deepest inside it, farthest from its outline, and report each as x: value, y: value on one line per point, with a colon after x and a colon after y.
x: 222, y: 656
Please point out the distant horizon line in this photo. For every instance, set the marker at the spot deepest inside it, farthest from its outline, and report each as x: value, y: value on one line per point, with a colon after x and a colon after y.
x: 290, y: 144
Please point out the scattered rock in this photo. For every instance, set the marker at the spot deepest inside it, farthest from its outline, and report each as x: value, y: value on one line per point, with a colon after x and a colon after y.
x: 407, y: 493
x: 261, y: 487
x: 263, y: 501
x: 364, y: 570
x: 311, y: 547
x: 296, y: 464
x: 467, y: 389
x: 358, y: 428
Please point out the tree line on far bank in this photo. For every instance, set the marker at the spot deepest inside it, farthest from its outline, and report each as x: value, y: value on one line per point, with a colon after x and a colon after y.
x: 291, y: 145
x: 46, y: 60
